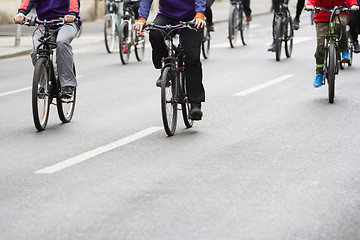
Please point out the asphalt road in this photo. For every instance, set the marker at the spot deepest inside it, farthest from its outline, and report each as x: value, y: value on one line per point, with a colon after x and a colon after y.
x: 271, y: 159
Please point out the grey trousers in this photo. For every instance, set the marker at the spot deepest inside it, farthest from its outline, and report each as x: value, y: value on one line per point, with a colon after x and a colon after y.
x: 64, y: 54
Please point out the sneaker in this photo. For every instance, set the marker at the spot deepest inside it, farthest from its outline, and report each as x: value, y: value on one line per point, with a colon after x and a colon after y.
x: 318, y: 80
x: 356, y: 47
x: 248, y: 18
x: 67, y: 92
x: 195, y: 112
x: 296, y: 24
x: 272, y: 47
x: 158, y: 82
x: 210, y: 27
x: 345, y: 57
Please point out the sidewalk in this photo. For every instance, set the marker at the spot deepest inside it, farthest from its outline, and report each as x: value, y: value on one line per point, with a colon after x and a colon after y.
x: 7, y: 31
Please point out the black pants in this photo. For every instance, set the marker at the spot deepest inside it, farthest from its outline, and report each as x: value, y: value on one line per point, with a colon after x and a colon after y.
x: 191, y: 41
x: 354, y: 24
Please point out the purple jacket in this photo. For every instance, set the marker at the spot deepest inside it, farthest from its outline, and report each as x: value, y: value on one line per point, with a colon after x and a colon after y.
x: 183, y: 10
x: 48, y: 9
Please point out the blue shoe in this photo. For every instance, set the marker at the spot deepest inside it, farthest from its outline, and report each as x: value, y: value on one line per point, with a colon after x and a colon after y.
x: 345, y: 57
x: 318, y: 80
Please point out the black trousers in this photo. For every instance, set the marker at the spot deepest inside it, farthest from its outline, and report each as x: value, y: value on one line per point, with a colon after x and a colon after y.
x: 191, y: 41
x: 354, y: 24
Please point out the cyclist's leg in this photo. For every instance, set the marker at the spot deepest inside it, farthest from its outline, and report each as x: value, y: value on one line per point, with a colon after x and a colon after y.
x: 156, y: 38
x: 209, y: 15
x: 340, y: 28
x: 191, y: 42
x: 276, y: 5
x: 354, y: 25
x: 299, y: 7
x: 64, y: 54
x: 136, y: 6
x: 322, y: 29
x: 247, y: 9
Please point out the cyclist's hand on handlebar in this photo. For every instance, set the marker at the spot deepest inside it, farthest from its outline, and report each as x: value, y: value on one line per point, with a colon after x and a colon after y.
x: 19, y: 18
x: 199, y: 23
x: 354, y: 7
x: 139, y: 25
x: 69, y: 18
x: 309, y: 8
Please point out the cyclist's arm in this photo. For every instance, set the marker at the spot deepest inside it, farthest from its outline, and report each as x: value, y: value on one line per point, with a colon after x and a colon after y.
x: 353, y: 4
x: 200, y: 6
x: 310, y: 5
x: 144, y: 11
x: 26, y: 6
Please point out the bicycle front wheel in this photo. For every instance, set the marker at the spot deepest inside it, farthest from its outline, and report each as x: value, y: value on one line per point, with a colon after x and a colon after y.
x: 185, y: 105
x: 278, y: 37
x: 205, y: 45
x: 41, y: 94
x: 289, y: 36
x: 331, y: 70
x: 168, y: 102
x: 139, y: 46
x: 109, y: 32
x: 66, y: 107
x: 124, y: 42
x: 233, y: 27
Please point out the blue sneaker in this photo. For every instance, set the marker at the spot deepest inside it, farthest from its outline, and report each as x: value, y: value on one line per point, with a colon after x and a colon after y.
x: 345, y: 57
x: 318, y: 80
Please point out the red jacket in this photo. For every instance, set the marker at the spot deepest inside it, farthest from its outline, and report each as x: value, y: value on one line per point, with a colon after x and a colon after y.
x: 329, y: 4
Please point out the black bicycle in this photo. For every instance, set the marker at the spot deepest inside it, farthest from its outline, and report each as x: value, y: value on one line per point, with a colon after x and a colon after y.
x: 332, y: 52
x: 205, y: 44
x: 128, y: 37
x: 173, y: 82
x: 237, y: 23
x: 46, y: 84
x: 283, y: 30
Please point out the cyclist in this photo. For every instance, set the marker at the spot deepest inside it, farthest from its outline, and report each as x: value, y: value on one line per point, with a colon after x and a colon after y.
x: 321, y: 20
x: 209, y: 15
x: 53, y: 9
x: 354, y: 29
x: 171, y: 12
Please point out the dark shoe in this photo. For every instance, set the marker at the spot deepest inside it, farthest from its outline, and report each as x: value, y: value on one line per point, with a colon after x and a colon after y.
x: 210, y: 27
x: 296, y: 24
x: 67, y: 92
x: 356, y: 47
x: 195, y: 112
x: 158, y: 82
x: 248, y: 18
x: 272, y: 47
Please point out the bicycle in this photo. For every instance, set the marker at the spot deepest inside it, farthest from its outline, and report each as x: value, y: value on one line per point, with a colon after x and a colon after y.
x: 111, y: 24
x: 205, y: 44
x: 128, y: 37
x: 332, y: 53
x: 46, y: 84
x: 237, y: 23
x: 173, y: 82
x: 283, y: 31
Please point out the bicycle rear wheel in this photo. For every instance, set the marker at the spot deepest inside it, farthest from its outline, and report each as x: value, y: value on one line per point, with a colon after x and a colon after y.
x: 278, y: 37
x: 289, y: 36
x: 124, y: 42
x: 205, y: 45
x: 233, y: 28
x: 109, y: 32
x: 66, y: 107
x: 331, y: 70
x: 168, y: 103
x: 41, y: 91
x: 185, y: 105
x: 139, y: 46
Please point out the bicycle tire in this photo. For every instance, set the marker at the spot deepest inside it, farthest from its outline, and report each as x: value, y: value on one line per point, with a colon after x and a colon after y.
x: 185, y: 105
x: 232, y: 26
x: 66, y: 107
x: 312, y: 13
x: 331, y: 71
x: 243, y: 28
x: 168, y: 103
x: 139, y: 46
x: 109, y: 33
x: 278, y: 37
x: 41, y: 91
x: 124, y: 43
x: 289, y: 36
x: 205, y: 44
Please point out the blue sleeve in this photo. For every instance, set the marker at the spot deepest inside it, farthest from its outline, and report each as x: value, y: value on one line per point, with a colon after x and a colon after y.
x: 144, y: 9
x: 200, y: 6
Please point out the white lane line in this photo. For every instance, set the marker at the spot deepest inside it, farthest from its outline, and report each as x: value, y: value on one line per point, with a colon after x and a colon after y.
x: 15, y: 91
x: 264, y: 85
x: 97, y: 151
x: 25, y: 89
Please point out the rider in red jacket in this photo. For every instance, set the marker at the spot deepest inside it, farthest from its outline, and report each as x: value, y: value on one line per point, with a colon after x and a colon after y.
x: 322, y: 19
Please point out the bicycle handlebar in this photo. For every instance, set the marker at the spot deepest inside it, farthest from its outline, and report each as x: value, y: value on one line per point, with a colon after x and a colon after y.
x: 34, y: 21
x: 169, y: 27
x: 336, y: 9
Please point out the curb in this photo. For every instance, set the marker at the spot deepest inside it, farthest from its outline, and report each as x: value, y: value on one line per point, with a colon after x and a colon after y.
x: 17, y: 54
